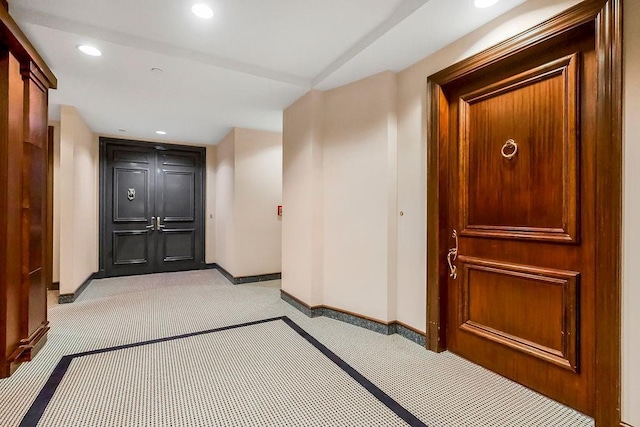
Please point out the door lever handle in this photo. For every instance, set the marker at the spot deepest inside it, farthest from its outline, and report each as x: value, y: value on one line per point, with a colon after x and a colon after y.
x: 152, y: 226
x: 159, y: 225
x: 452, y: 255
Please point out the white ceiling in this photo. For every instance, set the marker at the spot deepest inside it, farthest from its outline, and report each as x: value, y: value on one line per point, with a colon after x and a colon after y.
x: 239, y: 69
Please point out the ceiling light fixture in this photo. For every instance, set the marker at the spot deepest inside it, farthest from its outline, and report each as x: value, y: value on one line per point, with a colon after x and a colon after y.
x: 161, y: 132
x: 484, y: 3
x: 203, y: 11
x: 156, y: 70
x: 89, y: 50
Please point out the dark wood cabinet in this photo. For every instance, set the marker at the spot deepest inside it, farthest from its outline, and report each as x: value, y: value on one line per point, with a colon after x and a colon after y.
x: 24, y: 84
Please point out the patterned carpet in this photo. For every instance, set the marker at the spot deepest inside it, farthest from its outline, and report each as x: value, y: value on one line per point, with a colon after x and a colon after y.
x: 265, y: 374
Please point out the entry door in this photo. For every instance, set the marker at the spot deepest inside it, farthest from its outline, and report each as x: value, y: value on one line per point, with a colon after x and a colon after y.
x: 152, y: 210
x: 521, y: 171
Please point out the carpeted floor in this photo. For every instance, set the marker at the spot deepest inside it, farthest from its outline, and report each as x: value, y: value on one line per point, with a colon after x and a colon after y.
x: 262, y: 374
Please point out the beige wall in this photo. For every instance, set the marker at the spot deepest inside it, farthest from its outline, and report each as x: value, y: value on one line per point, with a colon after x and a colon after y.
x: 249, y: 189
x: 77, y: 190
x: 210, y: 201
x: 258, y: 192
x: 56, y: 201
x: 359, y: 196
x: 631, y: 225
x: 302, y: 198
x: 224, y: 203
x: 351, y: 151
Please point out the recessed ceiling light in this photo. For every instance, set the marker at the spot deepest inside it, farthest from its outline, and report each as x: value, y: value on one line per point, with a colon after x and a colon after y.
x: 89, y: 50
x: 156, y: 70
x: 485, y: 3
x: 161, y: 132
x: 202, y: 11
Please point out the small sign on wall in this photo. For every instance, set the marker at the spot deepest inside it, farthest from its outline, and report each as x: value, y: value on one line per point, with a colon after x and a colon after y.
x: 279, y: 210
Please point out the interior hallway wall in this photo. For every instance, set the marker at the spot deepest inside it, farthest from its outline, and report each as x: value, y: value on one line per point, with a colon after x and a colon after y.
x: 360, y: 196
x: 224, y: 203
x: 210, y: 203
x: 56, y: 201
x: 302, y: 197
x: 248, y: 191
x: 77, y: 190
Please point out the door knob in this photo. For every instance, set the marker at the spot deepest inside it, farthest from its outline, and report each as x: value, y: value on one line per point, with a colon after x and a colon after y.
x: 152, y: 226
x: 452, y: 255
x: 159, y: 225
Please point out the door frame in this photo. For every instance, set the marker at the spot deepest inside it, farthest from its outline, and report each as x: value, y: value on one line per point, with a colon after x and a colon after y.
x: 106, y: 141
x: 605, y: 16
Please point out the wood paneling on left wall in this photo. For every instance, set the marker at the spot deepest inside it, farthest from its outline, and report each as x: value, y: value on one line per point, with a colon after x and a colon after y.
x: 24, y: 84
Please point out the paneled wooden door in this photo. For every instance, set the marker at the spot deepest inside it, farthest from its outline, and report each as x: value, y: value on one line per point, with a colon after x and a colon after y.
x: 152, y: 209
x: 522, y: 204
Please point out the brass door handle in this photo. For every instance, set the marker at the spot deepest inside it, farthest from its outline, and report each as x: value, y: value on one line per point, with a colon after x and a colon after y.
x: 152, y: 226
x: 451, y: 256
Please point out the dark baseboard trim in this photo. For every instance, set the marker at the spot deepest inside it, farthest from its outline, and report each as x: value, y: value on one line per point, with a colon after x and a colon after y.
x: 386, y: 328
x: 69, y: 298
x: 623, y: 424
x: 55, y: 286
x: 243, y: 279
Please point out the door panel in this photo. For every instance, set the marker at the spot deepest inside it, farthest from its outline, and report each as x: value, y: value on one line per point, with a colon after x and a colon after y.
x: 521, y: 175
x: 154, y: 209
x: 179, y: 208
x: 125, y: 208
x: 534, y: 193
x: 130, y: 198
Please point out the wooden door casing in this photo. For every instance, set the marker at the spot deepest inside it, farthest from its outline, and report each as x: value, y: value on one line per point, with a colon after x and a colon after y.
x: 572, y: 250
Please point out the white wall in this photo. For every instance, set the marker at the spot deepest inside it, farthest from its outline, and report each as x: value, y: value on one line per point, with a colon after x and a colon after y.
x: 77, y: 190
x: 631, y: 225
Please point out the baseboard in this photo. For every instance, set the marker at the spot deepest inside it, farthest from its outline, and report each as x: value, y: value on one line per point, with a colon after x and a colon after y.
x: 55, y: 286
x: 386, y: 328
x: 69, y: 298
x: 623, y: 424
x: 243, y: 279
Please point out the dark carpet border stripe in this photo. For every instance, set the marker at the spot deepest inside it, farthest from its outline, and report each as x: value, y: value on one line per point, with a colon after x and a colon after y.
x: 383, y: 397
x: 39, y: 405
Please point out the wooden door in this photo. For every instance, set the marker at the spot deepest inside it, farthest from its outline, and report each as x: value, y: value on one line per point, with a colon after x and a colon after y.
x: 522, y: 204
x: 153, y: 209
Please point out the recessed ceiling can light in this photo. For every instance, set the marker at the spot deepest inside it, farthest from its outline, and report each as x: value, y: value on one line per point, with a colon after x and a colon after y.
x: 484, y: 3
x: 156, y: 70
x: 203, y: 11
x: 89, y: 50
x: 161, y: 132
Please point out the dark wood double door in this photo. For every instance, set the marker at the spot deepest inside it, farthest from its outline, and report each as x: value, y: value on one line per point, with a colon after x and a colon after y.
x: 152, y: 208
